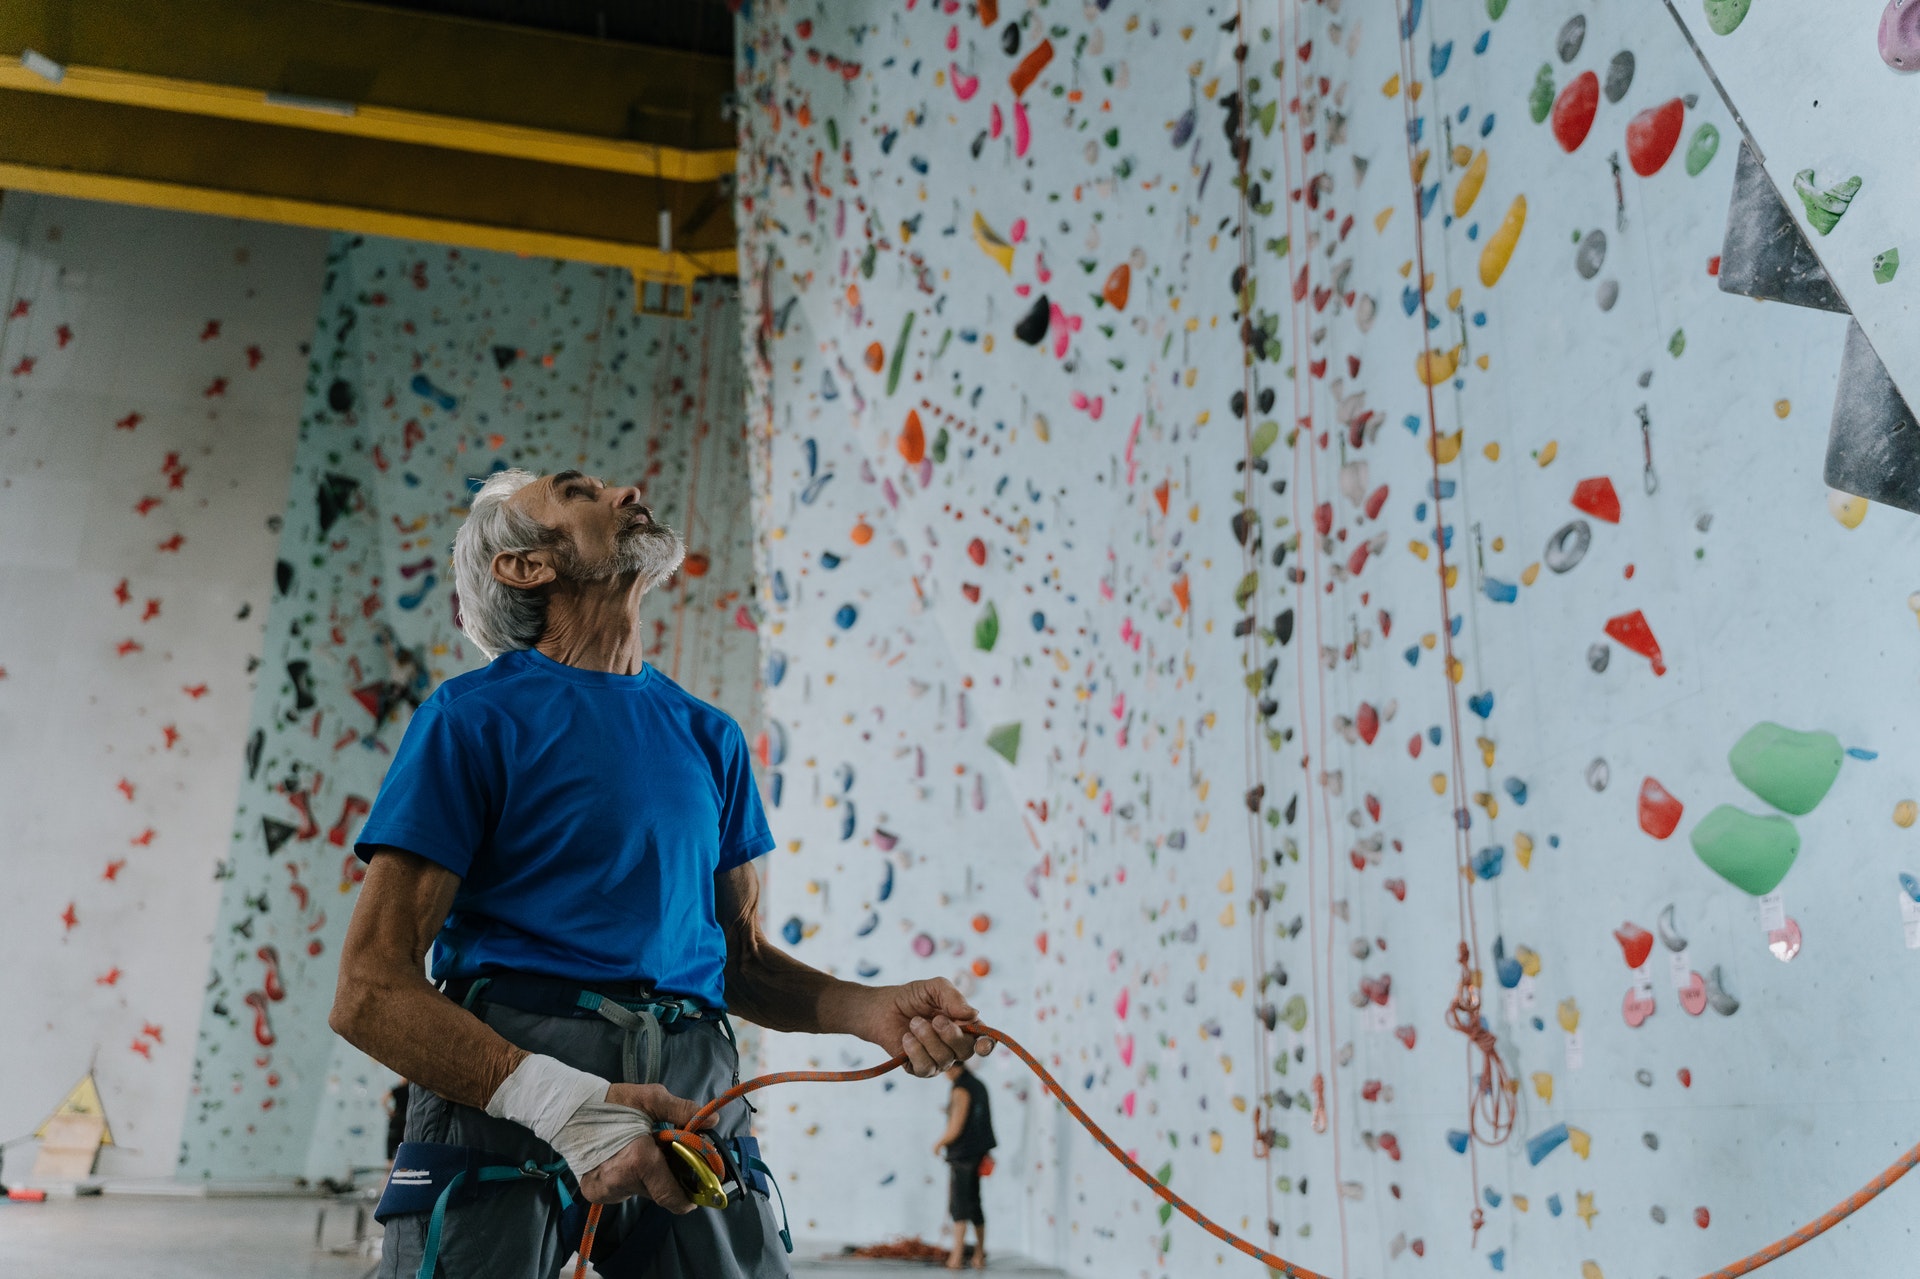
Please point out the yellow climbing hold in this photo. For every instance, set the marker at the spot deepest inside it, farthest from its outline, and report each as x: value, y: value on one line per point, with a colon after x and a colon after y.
x: 1451, y: 576
x: 1499, y: 250
x: 1455, y: 671
x: 1428, y: 640
x: 1486, y: 750
x: 1226, y: 882
x: 1523, y: 849
x: 1453, y: 300
x: 1492, y: 454
x: 1580, y: 1140
x: 1904, y: 812
x: 1444, y: 448
x: 1569, y: 1015
x: 991, y: 244
x: 1782, y: 407
x: 1550, y: 452
x: 1590, y: 1269
x: 1529, y: 573
x: 1439, y: 783
x: 1226, y: 916
x: 1482, y: 361
x: 1420, y: 166
x: 1406, y: 268
x: 1418, y: 548
x: 1461, y: 154
x: 1381, y: 218
x: 1499, y: 544
x: 1529, y: 960
x: 1392, y: 87
x: 1543, y: 1085
x: 1847, y: 508
x: 1520, y: 1202
x: 1214, y: 1142
x: 1584, y: 1209
x: 1470, y: 182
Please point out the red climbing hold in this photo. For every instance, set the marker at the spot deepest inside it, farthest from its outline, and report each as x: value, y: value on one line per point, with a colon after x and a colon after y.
x: 977, y: 551
x: 1573, y: 110
x: 1636, y: 943
x: 1686, y: 1077
x: 1596, y: 497
x: 1702, y: 1218
x: 1366, y: 721
x: 1632, y: 631
x: 1659, y: 810
x: 1398, y: 887
x: 1323, y: 518
x: 1376, y: 500
x: 1653, y: 134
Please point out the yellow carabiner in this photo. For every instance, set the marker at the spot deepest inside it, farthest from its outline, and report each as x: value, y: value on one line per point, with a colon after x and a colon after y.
x: 696, y: 1177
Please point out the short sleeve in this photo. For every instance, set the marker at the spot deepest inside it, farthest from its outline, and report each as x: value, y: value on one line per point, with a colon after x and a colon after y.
x: 434, y: 799
x: 744, y: 834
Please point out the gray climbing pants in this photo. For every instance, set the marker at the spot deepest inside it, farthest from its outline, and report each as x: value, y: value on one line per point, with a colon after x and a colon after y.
x: 514, y: 1232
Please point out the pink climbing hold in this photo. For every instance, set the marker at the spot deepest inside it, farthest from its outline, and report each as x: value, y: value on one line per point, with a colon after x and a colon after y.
x: 1659, y: 810
x: 1900, y: 35
x: 1693, y: 995
x: 964, y: 85
x: 1632, y: 632
x: 1596, y: 497
x: 1635, y: 1009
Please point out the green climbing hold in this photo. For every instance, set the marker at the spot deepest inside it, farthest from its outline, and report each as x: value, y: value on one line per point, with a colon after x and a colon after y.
x: 1701, y: 149
x: 1791, y: 770
x: 1677, y: 343
x: 1824, y: 207
x: 1752, y: 853
x: 1540, y: 100
x: 899, y: 353
x: 1724, y: 15
x: 1244, y: 592
x: 1495, y: 8
x: 1295, y: 1014
x: 986, y: 631
x: 1004, y: 741
x: 1884, y: 265
x: 1263, y: 437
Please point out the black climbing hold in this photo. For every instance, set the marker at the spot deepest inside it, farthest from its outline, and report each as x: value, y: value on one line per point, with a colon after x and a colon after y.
x: 1033, y: 325
x: 283, y: 576
x: 1283, y: 625
x: 340, y: 395
x: 504, y: 356
x: 277, y: 833
x: 1010, y: 39
x: 336, y: 498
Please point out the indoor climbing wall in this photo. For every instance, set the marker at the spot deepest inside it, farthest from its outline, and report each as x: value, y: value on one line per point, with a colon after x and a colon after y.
x: 1323, y: 508
x: 149, y: 382
x: 432, y: 368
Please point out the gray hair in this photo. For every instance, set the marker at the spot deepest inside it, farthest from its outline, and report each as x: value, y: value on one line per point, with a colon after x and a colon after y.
x: 495, y: 616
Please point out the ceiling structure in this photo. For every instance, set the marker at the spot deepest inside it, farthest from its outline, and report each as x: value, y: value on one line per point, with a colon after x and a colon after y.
x: 547, y: 127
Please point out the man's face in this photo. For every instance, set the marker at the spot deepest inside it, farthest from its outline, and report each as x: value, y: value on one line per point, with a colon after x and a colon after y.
x: 607, y: 533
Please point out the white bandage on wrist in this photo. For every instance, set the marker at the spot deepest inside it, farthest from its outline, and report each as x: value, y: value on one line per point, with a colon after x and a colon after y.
x: 568, y: 1109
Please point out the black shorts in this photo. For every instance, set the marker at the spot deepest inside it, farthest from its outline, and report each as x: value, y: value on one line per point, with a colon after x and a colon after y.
x: 963, y: 1192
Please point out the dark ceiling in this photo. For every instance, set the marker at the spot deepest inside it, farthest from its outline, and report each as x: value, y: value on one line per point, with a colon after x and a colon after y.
x: 693, y: 26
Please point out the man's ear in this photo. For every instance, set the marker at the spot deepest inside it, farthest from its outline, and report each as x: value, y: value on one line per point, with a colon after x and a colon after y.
x: 523, y: 570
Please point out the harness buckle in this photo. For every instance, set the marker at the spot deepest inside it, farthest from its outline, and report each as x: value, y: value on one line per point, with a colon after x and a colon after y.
x: 531, y: 1169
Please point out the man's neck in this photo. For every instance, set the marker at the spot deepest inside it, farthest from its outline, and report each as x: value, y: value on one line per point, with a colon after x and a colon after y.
x: 595, y: 632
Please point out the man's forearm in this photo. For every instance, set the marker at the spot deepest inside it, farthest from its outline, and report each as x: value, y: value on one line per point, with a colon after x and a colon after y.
x: 773, y: 989
x: 420, y: 1034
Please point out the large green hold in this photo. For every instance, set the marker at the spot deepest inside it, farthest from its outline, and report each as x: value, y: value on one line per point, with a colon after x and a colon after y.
x: 986, y: 631
x: 1791, y: 770
x: 1540, y: 100
x: 1724, y: 15
x: 1004, y: 741
x: 1752, y: 853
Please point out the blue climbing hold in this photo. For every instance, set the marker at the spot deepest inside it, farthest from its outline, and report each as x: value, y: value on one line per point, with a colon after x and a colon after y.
x: 1458, y: 1140
x: 1542, y: 1144
x: 1500, y: 592
x: 793, y: 930
x: 845, y: 616
x: 1488, y: 862
x: 1481, y: 704
x: 1517, y: 790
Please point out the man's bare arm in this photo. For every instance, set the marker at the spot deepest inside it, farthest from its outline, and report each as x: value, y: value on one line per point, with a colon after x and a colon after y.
x: 771, y: 988
x: 385, y: 1006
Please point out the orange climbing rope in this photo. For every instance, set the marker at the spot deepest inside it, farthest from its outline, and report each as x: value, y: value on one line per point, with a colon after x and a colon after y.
x: 1286, y: 1268
x: 1746, y: 1265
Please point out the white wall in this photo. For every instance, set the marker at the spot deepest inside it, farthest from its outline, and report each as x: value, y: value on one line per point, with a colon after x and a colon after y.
x: 110, y: 316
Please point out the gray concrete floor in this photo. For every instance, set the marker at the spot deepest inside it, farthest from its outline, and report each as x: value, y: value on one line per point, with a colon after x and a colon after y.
x: 183, y: 1237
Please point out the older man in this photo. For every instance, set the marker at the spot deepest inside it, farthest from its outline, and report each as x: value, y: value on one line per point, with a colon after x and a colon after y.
x: 573, y: 837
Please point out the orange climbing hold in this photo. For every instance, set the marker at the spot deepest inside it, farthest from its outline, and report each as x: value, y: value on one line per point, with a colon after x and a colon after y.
x: 1596, y: 497
x: 876, y: 356
x: 862, y: 533
x: 1117, y: 286
x: 913, y: 439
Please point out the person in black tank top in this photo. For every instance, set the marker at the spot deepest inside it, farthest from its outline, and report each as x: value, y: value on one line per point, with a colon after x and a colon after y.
x: 968, y: 1138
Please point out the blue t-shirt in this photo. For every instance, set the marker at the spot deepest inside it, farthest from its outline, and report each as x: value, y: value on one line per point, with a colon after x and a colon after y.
x: 586, y: 814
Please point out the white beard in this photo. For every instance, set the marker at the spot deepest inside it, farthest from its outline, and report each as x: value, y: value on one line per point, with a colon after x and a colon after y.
x: 650, y: 552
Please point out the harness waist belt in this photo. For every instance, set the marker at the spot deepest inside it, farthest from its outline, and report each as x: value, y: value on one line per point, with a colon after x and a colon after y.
x: 563, y: 997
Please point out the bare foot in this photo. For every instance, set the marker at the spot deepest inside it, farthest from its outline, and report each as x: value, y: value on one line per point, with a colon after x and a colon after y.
x: 953, y: 1261
x: 980, y: 1260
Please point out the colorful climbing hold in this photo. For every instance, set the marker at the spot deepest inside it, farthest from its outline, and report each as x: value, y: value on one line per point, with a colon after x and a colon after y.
x: 1631, y: 631
x: 1791, y: 770
x: 1752, y: 853
x: 1596, y: 497
x: 1653, y: 134
x: 1824, y: 208
x: 1573, y: 111
x: 1500, y: 245
x: 1659, y: 810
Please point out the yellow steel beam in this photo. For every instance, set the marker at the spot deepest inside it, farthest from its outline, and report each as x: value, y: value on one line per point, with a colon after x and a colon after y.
x: 645, y: 263
x: 138, y: 89
x: 382, y: 59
